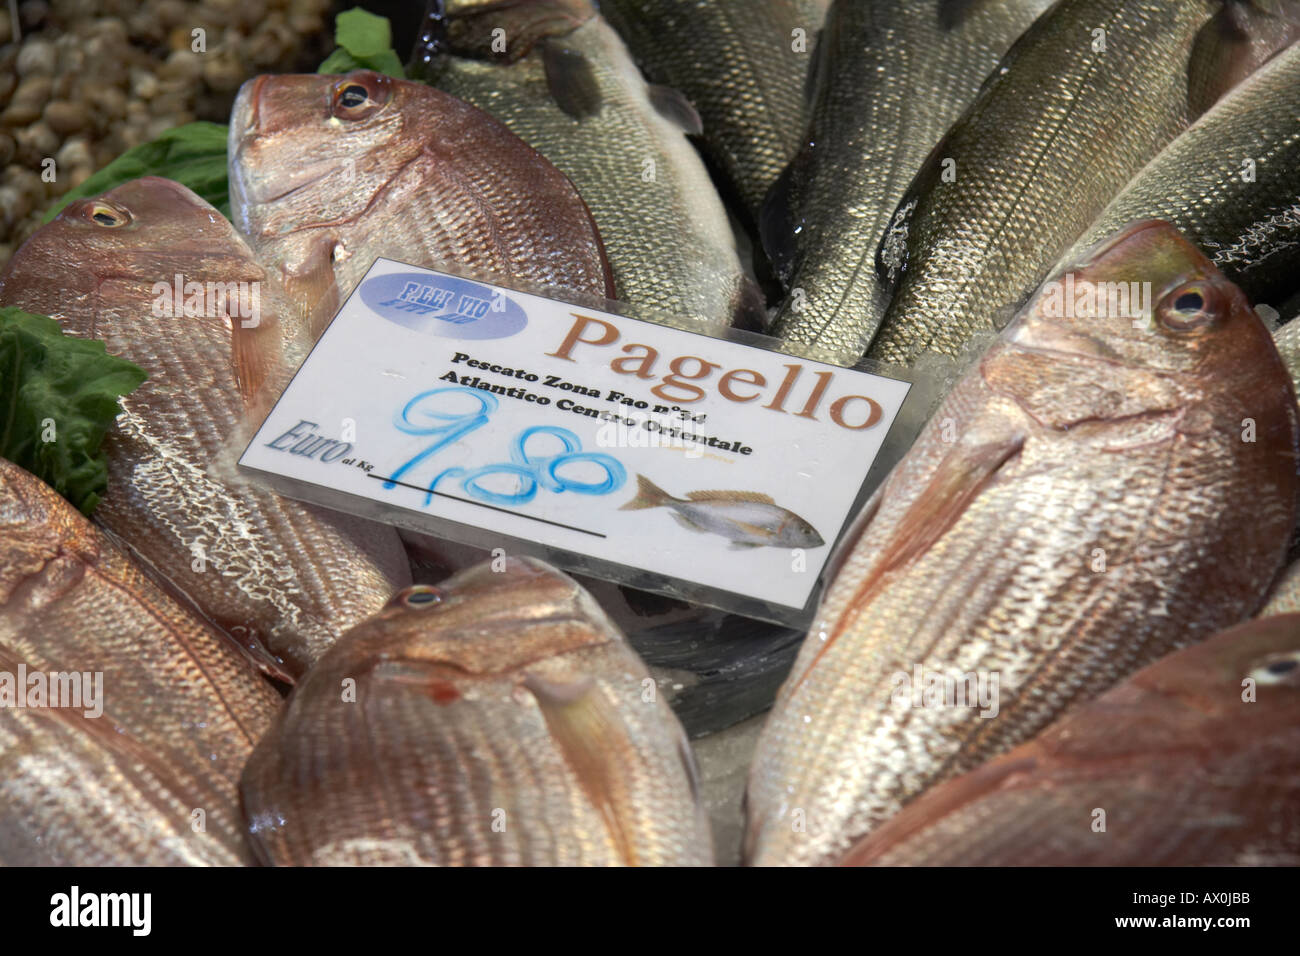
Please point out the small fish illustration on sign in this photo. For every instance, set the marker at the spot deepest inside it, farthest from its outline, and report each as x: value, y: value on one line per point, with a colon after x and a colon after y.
x: 747, y: 519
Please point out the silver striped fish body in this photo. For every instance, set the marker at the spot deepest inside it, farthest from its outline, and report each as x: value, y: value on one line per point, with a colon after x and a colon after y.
x: 505, y: 722
x: 1084, y: 501
x: 578, y: 98
x: 1086, y: 97
x: 892, y: 78
x: 1229, y: 184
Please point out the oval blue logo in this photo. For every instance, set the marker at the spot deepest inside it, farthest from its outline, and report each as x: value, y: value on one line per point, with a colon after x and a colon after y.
x: 446, y: 306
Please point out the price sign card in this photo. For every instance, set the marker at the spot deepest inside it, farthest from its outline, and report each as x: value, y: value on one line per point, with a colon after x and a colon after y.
x: 708, y: 468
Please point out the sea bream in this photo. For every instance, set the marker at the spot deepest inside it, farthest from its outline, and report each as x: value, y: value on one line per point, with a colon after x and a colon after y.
x: 329, y: 172
x: 1193, y: 761
x: 748, y: 519
x: 132, y: 755
x: 497, y: 719
x: 1102, y: 487
x: 274, y: 573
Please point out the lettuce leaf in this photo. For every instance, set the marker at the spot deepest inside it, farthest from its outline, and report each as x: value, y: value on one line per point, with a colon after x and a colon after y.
x: 365, y: 42
x: 58, y: 398
x: 194, y: 155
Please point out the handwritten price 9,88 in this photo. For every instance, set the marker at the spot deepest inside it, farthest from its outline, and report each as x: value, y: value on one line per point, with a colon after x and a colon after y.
x: 427, y: 414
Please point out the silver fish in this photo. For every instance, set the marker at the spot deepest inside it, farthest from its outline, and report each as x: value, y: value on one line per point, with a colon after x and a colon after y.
x: 747, y: 519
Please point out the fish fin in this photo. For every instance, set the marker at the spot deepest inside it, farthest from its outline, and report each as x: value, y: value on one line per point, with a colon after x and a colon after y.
x: 571, y: 80
x: 676, y: 108
x: 648, y: 495
x: 952, y: 13
x: 753, y: 496
x: 750, y: 311
x: 1241, y: 37
x: 956, y: 482
x: 255, y: 354
x: 314, y: 291
x: 743, y: 545
x: 590, y: 733
x: 685, y: 522
x: 776, y: 223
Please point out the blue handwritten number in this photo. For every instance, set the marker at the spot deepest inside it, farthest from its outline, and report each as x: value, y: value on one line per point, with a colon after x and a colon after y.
x: 533, y: 471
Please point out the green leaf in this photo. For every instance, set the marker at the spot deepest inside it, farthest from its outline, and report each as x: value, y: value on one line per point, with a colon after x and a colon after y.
x: 55, y: 386
x: 193, y: 155
x: 365, y: 42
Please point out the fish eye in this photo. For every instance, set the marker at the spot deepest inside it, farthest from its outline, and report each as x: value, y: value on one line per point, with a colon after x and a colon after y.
x: 419, y: 597
x: 106, y: 215
x: 1190, y: 306
x: 357, y: 96
x: 1281, y: 668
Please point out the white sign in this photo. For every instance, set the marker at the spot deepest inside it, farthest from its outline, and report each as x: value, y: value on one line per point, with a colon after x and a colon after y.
x: 666, y: 459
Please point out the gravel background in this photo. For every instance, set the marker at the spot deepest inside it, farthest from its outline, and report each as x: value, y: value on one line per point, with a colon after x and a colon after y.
x: 89, y: 80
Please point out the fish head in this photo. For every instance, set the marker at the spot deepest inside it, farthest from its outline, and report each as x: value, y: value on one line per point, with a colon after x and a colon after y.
x: 1146, y: 299
x: 1251, y: 669
x: 42, y: 538
x: 795, y: 532
x: 320, y: 146
x: 144, y: 231
x: 498, y: 617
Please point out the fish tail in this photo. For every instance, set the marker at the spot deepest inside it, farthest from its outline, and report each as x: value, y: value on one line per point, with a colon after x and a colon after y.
x: 648, y: 495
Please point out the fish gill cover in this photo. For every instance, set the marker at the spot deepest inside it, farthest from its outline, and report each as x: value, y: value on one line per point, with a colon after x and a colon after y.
x: 61, y: 396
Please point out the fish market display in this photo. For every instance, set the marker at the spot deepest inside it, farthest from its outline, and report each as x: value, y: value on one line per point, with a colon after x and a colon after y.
x: 1086, y: 97
x: 496, y: 719
x: 890, y: 79
x: 131, y: 755
x: 165, y: 282
x: 742, y: 65
x: 1097, y: 491
x: 1229, y: 184
x: 566, y: 84
x: 1189, y: 762
x: 394, y: 168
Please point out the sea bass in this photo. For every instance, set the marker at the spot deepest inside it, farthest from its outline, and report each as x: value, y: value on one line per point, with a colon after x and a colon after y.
x: 1229, y: 184
x: 560, y: 77
x: 138, y: 268
x: 742, y: 65
x: 328, y: 172
x: 1086, y: 97
x: 498, y: 719
x: 890, y: 78
x: 748, y: 519
x: 1096, y: 491
x: 1190, y: 762
x: 143, y: 768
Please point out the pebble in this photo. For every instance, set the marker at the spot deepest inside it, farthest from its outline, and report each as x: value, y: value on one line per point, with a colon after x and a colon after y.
x: 93, y: 78
x: 36, y: 57
x: 65, y: 117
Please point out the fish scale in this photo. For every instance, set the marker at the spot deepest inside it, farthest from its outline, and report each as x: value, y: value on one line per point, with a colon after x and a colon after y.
x: 734, y: 60
x: 1192, y: 521
x: 1250, y: 229
x: 664, y: 228
x: 182, y: 706
x: 1051, y: 138
x: 457, y: 718
x: 1186, y: 774
x: 281, y: 576
x: 893, y: 78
